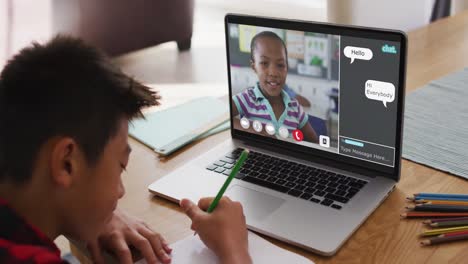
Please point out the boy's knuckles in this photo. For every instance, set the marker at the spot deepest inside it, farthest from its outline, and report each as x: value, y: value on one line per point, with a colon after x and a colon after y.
x: 114, y: 235
x: 191, y: 212
x: 205, y: 202
x: 238, y: 205
x: 140, y: 242
x: 156, y: 236
x: 123, y: 252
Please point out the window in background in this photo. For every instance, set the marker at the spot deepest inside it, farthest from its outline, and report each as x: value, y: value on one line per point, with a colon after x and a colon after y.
x: 23, y: 21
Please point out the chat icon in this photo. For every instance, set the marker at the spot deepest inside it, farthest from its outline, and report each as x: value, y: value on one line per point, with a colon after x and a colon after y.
x: 380, y: 91
x: 357, y: 53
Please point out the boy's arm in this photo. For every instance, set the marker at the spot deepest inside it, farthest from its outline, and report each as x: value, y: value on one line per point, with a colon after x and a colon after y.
x: 235, y: 111
x: 304, y: 125
x: 309, y: 133
x: 302, y: 100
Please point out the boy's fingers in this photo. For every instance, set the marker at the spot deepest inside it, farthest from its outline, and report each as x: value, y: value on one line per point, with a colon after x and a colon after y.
x: 144, y: 246
x: 190, y: 209
x: 204, y: 203
x: 150, y: 233
x: 158, y: 243
x: 120, y: 248
x: 95, y: 251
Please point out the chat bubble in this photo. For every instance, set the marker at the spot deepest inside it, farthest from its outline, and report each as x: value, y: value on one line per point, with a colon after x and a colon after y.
x: 357, y: 53
x: 380, y: 91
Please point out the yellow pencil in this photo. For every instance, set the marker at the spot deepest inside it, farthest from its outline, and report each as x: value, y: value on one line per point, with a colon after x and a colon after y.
x: 439, y: 231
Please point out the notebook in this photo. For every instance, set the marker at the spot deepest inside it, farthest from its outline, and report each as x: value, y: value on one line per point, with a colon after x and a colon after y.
x: 168, y: 130
x: 192, y: 250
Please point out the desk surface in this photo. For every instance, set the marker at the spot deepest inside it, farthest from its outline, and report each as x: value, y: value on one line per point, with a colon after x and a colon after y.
x: 434, y: 51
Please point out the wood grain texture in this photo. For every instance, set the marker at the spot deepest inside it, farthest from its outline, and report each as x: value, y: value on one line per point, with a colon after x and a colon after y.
x: 434, y: 51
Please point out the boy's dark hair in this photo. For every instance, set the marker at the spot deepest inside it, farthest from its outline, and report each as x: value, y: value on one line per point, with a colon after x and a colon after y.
x: 266, y: 34
x: 62, y: 88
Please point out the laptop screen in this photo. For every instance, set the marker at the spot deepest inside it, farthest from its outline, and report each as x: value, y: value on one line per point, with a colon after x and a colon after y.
x: 329, y: 90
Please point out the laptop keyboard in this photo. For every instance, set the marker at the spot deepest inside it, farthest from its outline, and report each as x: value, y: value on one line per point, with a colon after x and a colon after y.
x: 309, y: 183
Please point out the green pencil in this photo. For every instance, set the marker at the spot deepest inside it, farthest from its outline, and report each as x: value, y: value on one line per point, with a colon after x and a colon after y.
x: 234, y: 172
x: 231, y: 176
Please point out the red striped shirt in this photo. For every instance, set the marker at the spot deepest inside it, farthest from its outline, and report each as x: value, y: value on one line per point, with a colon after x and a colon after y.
x: 21, y: 242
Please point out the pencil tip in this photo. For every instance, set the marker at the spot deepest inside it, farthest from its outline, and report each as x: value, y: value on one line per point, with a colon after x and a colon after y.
x: 425, y: 243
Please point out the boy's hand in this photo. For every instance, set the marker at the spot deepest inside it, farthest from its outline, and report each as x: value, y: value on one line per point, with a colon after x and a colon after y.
x: 124, y: 230
x: 224, y: 230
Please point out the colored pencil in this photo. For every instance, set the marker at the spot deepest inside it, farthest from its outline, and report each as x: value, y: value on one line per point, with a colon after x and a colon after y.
x: 438, y: 220
x: 453, y: 234
x: 416, y: 198
x: 438, y: 208
x: 442, y: 195
x: 439, y: 231
x: 233, y: 173
x: 441, y: 202
x: 431, y: 214
x: 450, y: 223
x: 439, y: 240
x: 235, y: 170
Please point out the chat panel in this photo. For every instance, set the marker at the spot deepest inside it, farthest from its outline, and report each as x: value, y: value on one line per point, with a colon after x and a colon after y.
x: 368, y: 91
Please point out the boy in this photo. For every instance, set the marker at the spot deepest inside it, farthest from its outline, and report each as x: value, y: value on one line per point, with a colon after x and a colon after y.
x: 268, y: 59
x: 64, y: 114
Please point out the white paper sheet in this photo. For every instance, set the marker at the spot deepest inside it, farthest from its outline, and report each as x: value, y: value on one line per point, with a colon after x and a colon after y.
x: 192, y: 250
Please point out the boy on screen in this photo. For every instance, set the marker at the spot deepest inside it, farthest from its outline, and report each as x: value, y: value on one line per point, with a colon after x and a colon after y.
x: 268, y: 102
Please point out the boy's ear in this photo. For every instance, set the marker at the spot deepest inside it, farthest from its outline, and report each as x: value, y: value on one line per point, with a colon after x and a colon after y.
x: 64, y: 160
x: 252, y: 65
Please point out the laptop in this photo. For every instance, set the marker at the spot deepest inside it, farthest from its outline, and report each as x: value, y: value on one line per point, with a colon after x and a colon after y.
x: 320, y: 108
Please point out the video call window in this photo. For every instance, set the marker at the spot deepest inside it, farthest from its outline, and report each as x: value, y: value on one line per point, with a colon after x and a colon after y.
x: 328, y: 92
x: 285, y: 84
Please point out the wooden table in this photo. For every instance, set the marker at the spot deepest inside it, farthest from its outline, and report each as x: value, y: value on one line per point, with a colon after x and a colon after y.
x: 434, y: 51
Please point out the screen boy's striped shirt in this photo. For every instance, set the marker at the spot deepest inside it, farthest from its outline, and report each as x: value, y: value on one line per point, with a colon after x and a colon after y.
x: 251, y: 103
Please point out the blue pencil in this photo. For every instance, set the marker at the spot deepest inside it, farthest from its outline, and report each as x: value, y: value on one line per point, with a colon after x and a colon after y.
x: 439, y: 198
x: 442, y: 195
